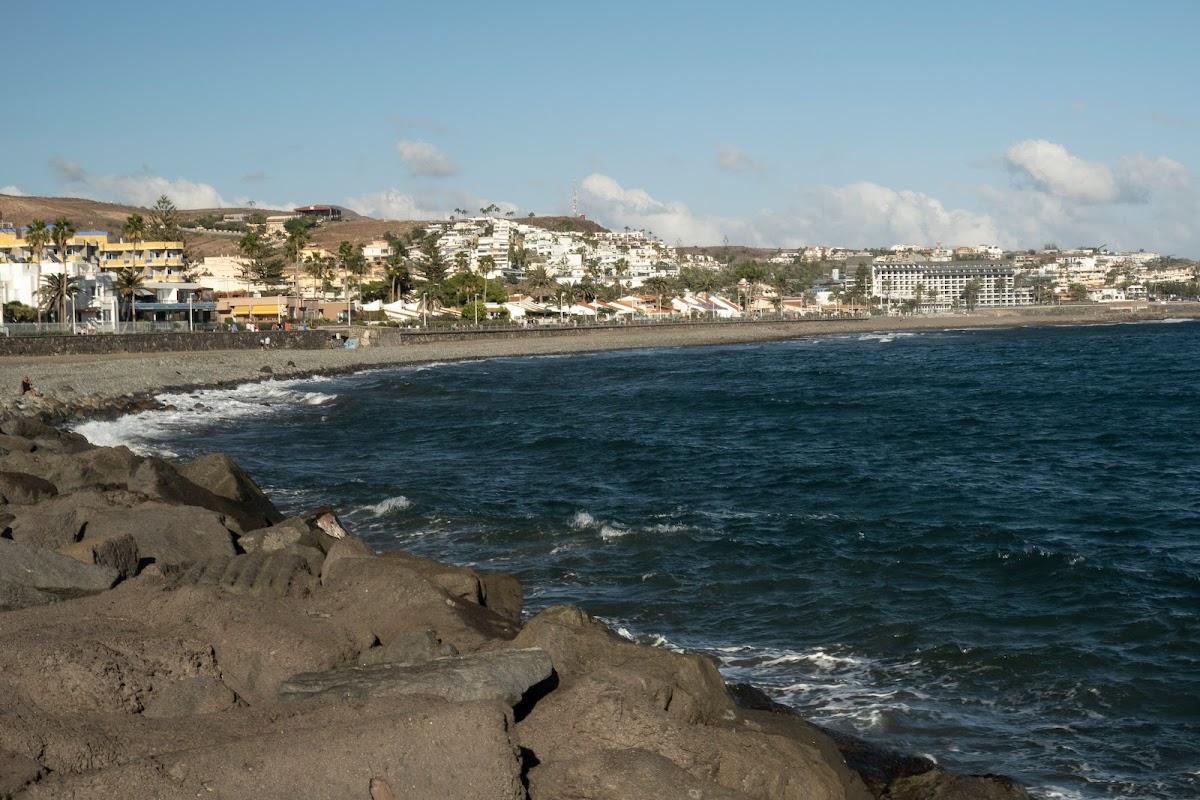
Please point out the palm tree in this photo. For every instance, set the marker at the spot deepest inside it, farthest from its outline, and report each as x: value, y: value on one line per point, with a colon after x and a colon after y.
x: 539, y: 283
x: 56, y: 290
x: 135, y: 231
x: 37, y: 235
x: 297, y: 237
x: 61, y: 233
x: 127, y: 283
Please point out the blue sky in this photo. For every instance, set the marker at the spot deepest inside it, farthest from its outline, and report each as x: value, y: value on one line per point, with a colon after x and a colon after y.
x: 764, y: 123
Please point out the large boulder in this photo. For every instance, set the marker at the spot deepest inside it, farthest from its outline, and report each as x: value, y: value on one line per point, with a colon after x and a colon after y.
x: 168, y: 534
x: 502, y: 676
x: 605, y: 774
x: 937, y: 784
x: 60, y: 521
x: 574, y: 720
x: 385, y: 598
x: 47, y: 571
x: 422, y: 749
x: 17, y: 488
x: 497, y: 591
x: 219, y: 474
x: 100, y: 467
x: 687, y: 686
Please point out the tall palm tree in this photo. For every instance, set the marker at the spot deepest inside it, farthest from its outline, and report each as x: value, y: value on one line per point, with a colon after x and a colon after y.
x: 56, y: 290
x: 61, y: 233
x: 135, y: 231
x: 127, y: 283
x: 37, y: 235
x: 297, y: 237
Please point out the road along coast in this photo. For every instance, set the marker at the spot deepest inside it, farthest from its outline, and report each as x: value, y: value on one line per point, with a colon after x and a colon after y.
x: 166, y: 632
x: 72, y: 386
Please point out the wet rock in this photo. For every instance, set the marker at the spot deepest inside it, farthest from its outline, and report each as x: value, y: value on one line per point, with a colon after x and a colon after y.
x: 48, y: 571
x: 502, y: 676
x: 17, y: 488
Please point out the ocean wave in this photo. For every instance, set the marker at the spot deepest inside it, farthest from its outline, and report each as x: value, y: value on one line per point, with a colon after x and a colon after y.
x: 383, y: 507
x: 143, y: 432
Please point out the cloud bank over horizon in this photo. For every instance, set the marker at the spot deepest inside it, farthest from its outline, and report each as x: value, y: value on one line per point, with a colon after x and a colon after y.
x: 1044, y: 192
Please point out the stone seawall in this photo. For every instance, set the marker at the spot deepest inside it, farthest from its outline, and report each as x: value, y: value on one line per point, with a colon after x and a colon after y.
x: 161, y: 343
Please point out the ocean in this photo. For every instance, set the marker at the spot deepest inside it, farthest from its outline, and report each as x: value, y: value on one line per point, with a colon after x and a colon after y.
x: 983, y: 546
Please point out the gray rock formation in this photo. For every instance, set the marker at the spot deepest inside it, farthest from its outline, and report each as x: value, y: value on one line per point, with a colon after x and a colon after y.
x: 502, y: 675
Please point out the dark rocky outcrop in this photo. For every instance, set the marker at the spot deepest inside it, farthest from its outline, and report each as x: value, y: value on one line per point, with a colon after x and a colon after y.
x: 167, y: 633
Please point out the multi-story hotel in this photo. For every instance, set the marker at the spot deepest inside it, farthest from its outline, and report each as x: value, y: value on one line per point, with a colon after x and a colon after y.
x: 939, y: 285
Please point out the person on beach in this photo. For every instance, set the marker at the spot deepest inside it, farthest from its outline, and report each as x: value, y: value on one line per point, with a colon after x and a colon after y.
x: 27, y: 387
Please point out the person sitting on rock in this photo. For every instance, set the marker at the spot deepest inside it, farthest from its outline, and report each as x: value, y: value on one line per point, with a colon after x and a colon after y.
x: 27, y: 387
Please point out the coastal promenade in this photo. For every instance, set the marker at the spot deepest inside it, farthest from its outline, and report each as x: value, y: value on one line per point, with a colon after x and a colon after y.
x: 90, y: 384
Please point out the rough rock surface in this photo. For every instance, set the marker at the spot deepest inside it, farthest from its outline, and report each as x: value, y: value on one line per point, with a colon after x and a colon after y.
x: 49, y: 571
x: 502, y: 676
x: 240, y: 654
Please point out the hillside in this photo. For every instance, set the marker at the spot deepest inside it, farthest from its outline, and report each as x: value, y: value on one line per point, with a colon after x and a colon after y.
x: 92, y: 214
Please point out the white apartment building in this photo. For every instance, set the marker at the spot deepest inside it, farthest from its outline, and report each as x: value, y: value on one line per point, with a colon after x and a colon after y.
x: 941, y: 284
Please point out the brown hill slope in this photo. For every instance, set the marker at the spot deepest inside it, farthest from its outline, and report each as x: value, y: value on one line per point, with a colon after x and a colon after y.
x: 93, y: 214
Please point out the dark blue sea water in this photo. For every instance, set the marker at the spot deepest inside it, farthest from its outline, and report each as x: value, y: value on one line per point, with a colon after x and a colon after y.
x: 983, y: 546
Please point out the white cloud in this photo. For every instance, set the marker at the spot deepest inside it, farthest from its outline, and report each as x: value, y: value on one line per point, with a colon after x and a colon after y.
x: 865, y: 213
x: 732, y: 158
x: 427, y: 203
x: 1051, y: 168
x: 12, y: 191
x: 141, y: 189
x: 670, y: 220
x: 425, y: 160
x: 1140, y: 176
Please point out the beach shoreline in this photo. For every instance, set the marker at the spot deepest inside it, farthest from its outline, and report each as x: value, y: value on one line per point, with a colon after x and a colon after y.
x: 75, y: 387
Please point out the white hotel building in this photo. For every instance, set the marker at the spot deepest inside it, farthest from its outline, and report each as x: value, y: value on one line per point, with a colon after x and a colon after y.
x: 942, y: 283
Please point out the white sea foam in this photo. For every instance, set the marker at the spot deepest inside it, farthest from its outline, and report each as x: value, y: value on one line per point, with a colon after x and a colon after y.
x: 582, y: 520
x: 397, y: 503
x: 610, y: 532
x: 143, y: 432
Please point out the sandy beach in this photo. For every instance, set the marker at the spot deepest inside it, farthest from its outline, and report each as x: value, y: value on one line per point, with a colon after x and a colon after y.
x: 81, y: 385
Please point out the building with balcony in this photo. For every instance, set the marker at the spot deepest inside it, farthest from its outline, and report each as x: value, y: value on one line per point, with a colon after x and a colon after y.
x: 940, y: 285
x: 159, y: 261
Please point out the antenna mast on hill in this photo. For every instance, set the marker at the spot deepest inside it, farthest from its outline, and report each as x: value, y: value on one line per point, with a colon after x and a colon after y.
x: 574, y: 200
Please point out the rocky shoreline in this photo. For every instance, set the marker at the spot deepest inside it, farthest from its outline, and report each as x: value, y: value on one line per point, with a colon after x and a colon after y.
x: 167, y: 632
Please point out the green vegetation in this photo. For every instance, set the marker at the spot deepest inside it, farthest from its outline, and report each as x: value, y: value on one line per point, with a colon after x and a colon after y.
x: 56, y: 291
x: 263, y: 266
x: 1077, y: 292
x: 126, y: 284
x: 164, y: 221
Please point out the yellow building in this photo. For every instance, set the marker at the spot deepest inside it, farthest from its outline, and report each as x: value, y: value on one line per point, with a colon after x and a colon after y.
x: 83, y: 246
x: 163, y: 261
